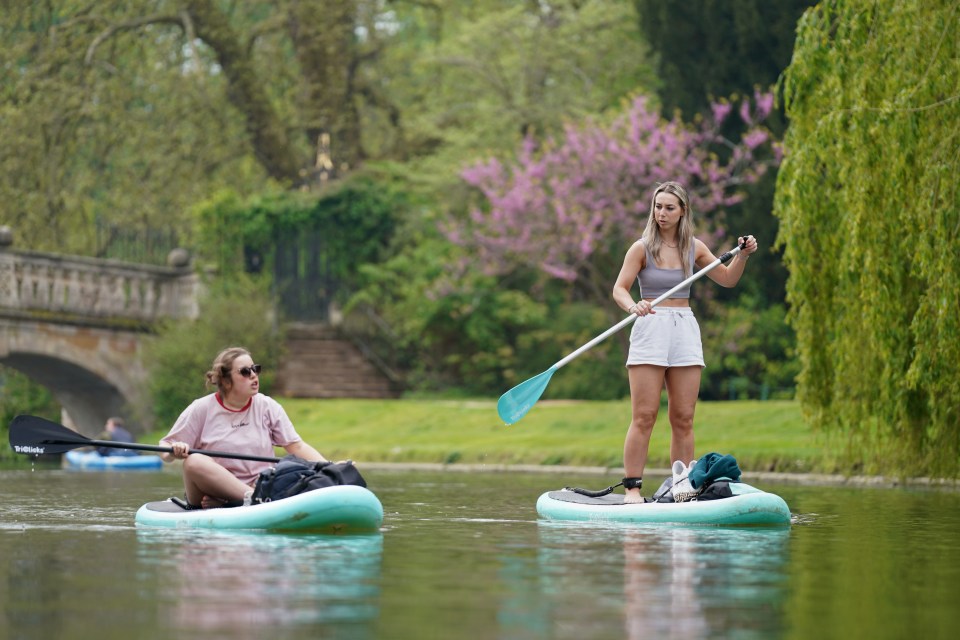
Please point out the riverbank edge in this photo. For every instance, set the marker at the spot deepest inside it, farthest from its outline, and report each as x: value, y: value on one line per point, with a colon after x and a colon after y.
x: 803, y: 479
x: 776, y: 477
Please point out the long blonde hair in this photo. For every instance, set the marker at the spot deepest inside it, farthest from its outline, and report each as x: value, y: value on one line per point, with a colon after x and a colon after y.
x: 651, y: 235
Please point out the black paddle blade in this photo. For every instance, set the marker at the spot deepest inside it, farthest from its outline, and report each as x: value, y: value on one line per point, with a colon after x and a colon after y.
x: 32, y: 435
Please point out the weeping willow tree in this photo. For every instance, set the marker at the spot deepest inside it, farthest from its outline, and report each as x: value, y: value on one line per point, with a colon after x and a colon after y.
x: 869, y: 204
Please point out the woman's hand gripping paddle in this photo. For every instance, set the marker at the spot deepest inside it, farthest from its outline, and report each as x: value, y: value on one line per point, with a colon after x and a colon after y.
x: 31, y: 435
x: 515, y: 404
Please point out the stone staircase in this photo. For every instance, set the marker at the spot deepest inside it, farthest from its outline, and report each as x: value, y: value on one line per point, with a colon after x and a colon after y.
x: 321, y: 363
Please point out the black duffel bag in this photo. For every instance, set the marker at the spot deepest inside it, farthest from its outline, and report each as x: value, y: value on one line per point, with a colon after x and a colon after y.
x: 294, y: 475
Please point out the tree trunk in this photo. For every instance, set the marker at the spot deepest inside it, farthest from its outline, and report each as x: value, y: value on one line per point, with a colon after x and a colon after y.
x: 268, y: 135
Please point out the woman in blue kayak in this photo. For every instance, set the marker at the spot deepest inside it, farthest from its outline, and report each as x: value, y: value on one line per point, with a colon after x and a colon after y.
x: 665, y: 347
x: 237, y: 417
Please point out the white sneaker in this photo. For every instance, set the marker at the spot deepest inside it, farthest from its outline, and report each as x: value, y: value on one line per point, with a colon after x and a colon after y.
x: 682, y: 490
x: 680, y: 471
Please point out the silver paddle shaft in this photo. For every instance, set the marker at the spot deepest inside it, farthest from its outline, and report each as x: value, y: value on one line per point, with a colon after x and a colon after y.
x: 725, y: 258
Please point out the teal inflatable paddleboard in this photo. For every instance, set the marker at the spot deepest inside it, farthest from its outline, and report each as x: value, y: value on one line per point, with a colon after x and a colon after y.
x: 747, y: 506
x: 340, y: 509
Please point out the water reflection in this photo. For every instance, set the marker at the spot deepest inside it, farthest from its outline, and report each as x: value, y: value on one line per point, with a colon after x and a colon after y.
x: 252, y: 585
x: 666, y: 582
x: 25, y: 593
x: 660, y: 593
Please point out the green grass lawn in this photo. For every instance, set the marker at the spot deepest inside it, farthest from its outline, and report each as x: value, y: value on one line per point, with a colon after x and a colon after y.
x: 763, y: 436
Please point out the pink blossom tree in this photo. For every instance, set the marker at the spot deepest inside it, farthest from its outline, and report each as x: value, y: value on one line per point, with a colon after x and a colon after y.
x: 570, y: 206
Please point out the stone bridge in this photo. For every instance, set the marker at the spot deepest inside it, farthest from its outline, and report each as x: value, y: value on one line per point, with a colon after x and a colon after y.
x: 76, y: 325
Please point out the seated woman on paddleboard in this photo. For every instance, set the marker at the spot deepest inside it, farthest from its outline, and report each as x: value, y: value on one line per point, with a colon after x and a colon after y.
x: 665, y: 347
x: 234, y: 418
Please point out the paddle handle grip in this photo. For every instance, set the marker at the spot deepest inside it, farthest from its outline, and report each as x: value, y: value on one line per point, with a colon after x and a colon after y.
x: 723, y: 259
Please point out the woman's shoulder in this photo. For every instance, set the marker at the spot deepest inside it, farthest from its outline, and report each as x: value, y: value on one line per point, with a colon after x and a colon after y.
x: 203, y: 402
x: 699, y: 248
x: 638, y: 247
x: 637, y: 254
x: 197, y: 411
x: 266, y: 402
x: 272, y: 412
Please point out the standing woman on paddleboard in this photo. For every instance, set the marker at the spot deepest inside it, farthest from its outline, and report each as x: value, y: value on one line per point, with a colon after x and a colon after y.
x: 665, y: 346
x: 234, y: 418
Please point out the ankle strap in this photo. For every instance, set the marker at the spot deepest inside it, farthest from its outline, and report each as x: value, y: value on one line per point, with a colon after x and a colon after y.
x: 632, y: 483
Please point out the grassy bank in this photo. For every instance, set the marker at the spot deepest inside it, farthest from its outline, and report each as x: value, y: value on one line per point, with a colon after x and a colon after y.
x: 763, y: 436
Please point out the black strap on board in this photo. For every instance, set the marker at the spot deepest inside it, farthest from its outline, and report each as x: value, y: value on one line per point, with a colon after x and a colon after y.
x: 626, y: 483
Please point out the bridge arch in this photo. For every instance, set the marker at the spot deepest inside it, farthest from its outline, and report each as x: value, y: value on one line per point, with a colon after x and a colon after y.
x: 76, y: 325
x: 93, y: 373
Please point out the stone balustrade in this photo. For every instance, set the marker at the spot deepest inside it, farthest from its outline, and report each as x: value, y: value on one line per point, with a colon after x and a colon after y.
x: 94, y: 290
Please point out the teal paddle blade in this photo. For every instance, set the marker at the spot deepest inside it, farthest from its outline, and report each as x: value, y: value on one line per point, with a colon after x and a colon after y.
x: 515, y: 403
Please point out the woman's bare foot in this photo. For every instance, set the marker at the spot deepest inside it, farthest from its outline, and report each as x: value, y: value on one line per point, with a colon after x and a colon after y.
x: 632, y: 496
x: 211, y: 503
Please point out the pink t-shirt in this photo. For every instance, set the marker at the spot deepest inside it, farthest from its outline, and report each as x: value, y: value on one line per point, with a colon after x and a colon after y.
x: 253, y: 430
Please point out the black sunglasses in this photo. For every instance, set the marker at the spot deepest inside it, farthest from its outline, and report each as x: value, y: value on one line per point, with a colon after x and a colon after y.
x: 247, y: 371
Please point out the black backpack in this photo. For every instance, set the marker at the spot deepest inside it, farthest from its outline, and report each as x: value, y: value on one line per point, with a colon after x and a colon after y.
x: 294, y: 475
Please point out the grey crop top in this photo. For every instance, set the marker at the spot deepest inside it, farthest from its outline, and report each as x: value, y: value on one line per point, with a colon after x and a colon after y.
x: 654, y: 281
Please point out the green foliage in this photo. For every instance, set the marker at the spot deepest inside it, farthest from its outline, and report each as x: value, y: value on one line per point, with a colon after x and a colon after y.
x: 739, y: 45
x: 600, y: 373
x: 471, y: 79
x: 749, y: 352
x: 19, y: 395
x: 355, y: 219
x: 869, y: 206
x: 130, y: 140
x: 461, y: 331
x: 235, y: 312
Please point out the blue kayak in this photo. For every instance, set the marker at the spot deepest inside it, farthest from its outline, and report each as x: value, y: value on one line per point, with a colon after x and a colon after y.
x: 747, y: 506
x: 93, y: 460
x: 339, y: 509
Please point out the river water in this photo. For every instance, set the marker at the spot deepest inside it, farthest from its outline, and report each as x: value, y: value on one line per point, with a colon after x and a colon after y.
x: 463, y: 555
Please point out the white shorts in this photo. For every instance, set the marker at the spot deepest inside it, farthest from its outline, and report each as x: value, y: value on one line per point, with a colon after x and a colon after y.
x: 668, y: 338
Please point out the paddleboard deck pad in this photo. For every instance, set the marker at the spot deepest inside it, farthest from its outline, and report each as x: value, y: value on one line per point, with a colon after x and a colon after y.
x: 340, y: 509
x: 747, y: 506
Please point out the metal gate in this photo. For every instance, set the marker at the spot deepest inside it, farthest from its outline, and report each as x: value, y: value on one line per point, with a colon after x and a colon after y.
x: 304, y: 283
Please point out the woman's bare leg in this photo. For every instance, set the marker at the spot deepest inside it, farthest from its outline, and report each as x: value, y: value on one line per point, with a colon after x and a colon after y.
x: 683, y: 388
x: 646, y: 382
x: 204, y: 478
